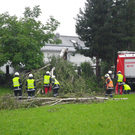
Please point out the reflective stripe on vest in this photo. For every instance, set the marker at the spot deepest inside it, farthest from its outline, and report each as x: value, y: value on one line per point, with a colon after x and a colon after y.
x: 30, y: 83
x: 110, y: 84
x: 46, y: 79
x: 120, y: 78
x: 126, y: 87
x: 16, y: 82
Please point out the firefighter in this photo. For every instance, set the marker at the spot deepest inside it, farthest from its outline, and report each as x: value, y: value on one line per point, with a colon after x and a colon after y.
x: 47, y: 82
x: 30, y: 86
x: 55, y: 85
x: 119, y: 83
x: 126, y: 88
x: 109, y: 85
x: 17, y: 86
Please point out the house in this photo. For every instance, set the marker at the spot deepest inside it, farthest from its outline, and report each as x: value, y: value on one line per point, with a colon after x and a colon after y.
x: 67, y: 42
x: 7, y: 69
x: 53, y: 49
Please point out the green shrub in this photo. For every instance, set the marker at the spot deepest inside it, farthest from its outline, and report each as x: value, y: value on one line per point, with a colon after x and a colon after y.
x: 70, y: 81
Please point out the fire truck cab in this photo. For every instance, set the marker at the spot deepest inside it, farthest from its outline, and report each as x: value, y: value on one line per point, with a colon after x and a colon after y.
x: 126, y: 64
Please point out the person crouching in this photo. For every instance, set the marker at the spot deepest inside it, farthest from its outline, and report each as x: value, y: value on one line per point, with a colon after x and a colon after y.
x: 30, y: 86
x: 126, y: 88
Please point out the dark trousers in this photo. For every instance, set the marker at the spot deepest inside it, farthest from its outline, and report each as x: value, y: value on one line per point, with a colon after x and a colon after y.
x: 31, y: 93
x: 126, y: 91
x: 16, y: 92
x: 109, y: 92
x: 55, y: 92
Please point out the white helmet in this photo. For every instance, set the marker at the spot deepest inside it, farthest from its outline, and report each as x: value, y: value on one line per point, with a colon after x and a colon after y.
x: 30, y: 75
x: 106, y: 75
x: 109, y: 72
x: 47, y: 72
x: 16, y: 73
x: 119, y: 72
x: 53, y: 76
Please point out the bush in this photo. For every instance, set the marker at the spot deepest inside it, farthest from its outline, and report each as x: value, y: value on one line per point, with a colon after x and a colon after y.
x: 7, y: 101
x: 70, y: 81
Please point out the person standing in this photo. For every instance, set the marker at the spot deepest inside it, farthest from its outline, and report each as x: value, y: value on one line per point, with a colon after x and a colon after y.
x: 47, y: 82
x: 55, y: 85
x: 126, y: 88
x: 17, y: 86
x: 119, y: 83
x: 30, y: 86
x: 109, y: 85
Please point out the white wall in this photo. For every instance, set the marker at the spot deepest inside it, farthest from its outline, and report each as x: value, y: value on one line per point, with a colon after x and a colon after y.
x: 11, y: 69
x: 49, y: 54
x: 77, y: 59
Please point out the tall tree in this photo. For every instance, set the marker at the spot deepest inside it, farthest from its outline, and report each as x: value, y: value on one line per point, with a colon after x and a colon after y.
x: 94, y: 26
x: 106, y: 27
x: 21, y: 39
x: 123, y: 26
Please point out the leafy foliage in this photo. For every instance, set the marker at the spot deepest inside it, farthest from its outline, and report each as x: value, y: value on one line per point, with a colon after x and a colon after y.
x: 87, y: 69
x: 21, y: 39
x: 69, y: 80
x: 106, y: 27
x: 64, y: 71
x: 93, y: 25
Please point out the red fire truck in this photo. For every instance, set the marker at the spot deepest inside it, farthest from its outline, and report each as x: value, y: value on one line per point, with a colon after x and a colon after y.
x: 126, y: 64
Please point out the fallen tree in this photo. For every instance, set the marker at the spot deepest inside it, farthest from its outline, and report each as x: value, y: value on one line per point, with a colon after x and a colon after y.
x: 54, y: 101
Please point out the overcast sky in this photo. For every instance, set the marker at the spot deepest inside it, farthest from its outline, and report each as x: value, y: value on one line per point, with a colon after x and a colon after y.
x: 63, y: 11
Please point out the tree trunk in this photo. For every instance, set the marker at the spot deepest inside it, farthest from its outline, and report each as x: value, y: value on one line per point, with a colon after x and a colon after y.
x: 97, y: 65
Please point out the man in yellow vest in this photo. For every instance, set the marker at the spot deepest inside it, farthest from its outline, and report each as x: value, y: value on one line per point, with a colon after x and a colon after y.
x: 17, y: 86
x: 119, y: 83
x: 30, y: 86
x: 126, y: 88
x: 55, y: 85
x: 47, y: 82
x: 109, y: 85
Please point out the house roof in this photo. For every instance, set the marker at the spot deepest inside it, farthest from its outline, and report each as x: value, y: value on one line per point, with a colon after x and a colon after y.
x: 67, y: 42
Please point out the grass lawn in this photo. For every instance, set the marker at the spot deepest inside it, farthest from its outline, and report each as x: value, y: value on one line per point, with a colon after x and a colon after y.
x: 5, y: 91
x: 114, y: 117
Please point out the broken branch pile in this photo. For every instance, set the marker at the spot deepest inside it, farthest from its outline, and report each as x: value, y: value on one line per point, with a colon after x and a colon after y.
x: 54, y: 101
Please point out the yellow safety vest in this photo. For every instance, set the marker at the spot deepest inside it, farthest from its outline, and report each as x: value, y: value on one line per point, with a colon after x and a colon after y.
x: 16, y: 82
x: 120, y: 78
x: 126, y: 87
x: 30, y: 84
x: 56, y: 82
x: 46, y: 79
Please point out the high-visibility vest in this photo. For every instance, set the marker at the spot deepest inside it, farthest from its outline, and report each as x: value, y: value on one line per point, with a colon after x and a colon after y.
x: 46, y: 79
x: 126, y: 87
x: 16, y: 82
x: 110, y: 84
x: 56, y: 82
x: 120, y: 78
x: 30, y: 84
